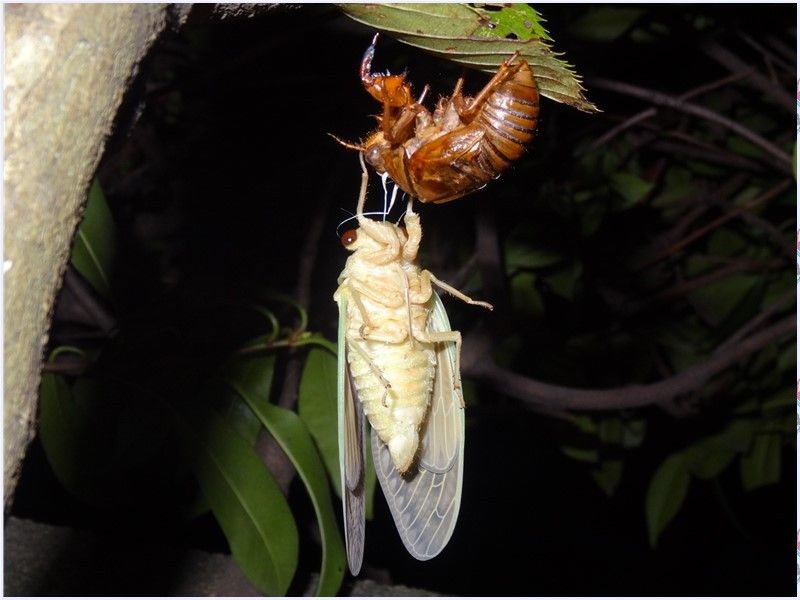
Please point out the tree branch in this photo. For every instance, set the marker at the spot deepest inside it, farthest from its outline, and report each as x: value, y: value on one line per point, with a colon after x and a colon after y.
x: 716, y: 223
x: 539, y: 395
x: 651, y: 112
x: 785, y: 161
x: 730, y: 61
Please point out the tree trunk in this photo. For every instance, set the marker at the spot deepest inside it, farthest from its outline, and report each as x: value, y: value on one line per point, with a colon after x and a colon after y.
x: 67, y: 68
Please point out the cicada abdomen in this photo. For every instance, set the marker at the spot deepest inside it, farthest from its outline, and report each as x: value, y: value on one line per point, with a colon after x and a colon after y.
x: 399, y: 367
x: 508, y: 118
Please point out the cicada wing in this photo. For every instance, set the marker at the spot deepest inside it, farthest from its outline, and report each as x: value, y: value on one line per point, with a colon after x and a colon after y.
x: 425, y: 503
x: 442, y: 440
x: 352, y: 453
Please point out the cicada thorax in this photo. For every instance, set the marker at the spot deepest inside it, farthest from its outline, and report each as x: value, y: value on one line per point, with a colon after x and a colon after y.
x: 388, y: 308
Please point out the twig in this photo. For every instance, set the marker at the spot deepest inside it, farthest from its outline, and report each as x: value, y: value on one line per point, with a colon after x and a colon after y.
x: 783, y: 244
x: 66, y: 368
x: 712, y: 155
x: 626, y: 124
x: 789, y: 54
x: 697, y: 282
x: 655, y: 250
x: 536, y: 393
x: 88, y: 299
x: 756, y: 321
x: 733, y: 63
x: 651, y: 112
x: 716, y: 223
x: 769, y: 58
x: 698, y: 111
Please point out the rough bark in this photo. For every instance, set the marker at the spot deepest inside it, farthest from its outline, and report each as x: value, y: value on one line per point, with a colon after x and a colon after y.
x: 67, y: 68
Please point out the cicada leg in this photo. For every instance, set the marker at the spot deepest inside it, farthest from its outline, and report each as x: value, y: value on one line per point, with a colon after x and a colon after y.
x: 398, y: 129
x: 451, y: 290
x: 470, y: 111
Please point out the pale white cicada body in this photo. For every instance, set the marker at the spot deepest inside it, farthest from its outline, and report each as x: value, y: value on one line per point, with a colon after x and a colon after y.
x: 399, y: 367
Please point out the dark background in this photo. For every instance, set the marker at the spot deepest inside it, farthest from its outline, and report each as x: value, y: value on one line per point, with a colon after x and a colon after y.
x: 219, y: 164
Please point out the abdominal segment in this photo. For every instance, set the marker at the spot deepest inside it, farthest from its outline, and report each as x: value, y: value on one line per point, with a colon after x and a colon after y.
x: 394, y: 387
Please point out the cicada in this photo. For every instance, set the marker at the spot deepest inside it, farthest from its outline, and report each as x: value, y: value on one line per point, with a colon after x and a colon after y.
x: 464, y: 144
x: 399, y: 369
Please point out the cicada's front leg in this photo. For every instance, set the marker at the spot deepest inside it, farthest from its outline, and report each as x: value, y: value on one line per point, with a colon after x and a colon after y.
x: 394, y: 93
x: 426, y: 277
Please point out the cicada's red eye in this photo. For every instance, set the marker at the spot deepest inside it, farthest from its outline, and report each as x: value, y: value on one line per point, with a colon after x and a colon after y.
x: 348, y: 237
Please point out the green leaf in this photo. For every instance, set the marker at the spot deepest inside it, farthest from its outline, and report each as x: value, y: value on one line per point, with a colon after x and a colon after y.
x: 244, y: 497
x: 592, y: 217
x: 317, y: 406
x: 605, y: 23
x: 564, y: 282
x: 611, y: 430
x: 506, y: 20
x: 720, y: 298
x: 740, y: 145
x: 69, y: 439
x: 584, y: 423
x: 632, y: 188
x: 525, y: 298
x: 521, y: 253
x: 787, y: 358
x: 710, y: 456
x: 633, y: 432
x: 581, y: 454
x: 762, y: 465
x: 323, y: 342
x: 665, y: 495
x: 727, y: 242
x: 253, y: 373
x: 94, y: 249
x: 233, y: 408
x: 371, y: 478
x: 302, y: 314
x: 273, y: 321
x: 608, y: 475
x: 678, y: 184
x: 295, y: 440
x: 781, y: 401
x: 459, y: 33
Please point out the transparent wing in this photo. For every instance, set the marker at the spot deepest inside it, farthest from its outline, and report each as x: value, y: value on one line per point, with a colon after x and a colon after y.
x: 352, y: 451
x: 425, y: 504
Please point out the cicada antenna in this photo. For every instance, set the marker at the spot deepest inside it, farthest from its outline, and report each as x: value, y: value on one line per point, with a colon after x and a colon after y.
x: 353, y: 218
x: 358, y: 147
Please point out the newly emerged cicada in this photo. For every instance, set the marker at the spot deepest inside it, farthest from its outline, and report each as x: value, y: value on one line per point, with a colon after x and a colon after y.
x: 399, y: 368
x: 466, y: 142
